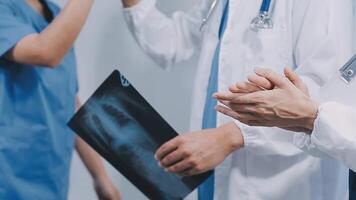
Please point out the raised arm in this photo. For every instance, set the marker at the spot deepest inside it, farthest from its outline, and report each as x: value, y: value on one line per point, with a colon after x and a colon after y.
x: 167, y: 40
x: 49, y: 47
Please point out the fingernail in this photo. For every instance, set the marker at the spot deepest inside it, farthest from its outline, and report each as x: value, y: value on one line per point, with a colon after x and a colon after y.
x: 156, y: 157
x: 159, y: 164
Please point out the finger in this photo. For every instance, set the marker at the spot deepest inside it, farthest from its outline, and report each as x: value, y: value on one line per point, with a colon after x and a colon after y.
x: 295, y: 79
x: 191, y: 172
x: 260, y: 82
x: 272, y: 76
x: 172, y: 158
x: 226, y: 96
x: 235, y: 89
x: 223, y: 96
x: 180, y: 167
x: 243, y: 117
x: 186, y: 172
x: 226, y: 111
x: 167, y: 148
x: 242, y: 108
x: 248, y: 87
x: 250, y: 98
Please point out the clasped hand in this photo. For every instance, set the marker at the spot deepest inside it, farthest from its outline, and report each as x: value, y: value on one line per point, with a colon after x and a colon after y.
x: 271, y: 100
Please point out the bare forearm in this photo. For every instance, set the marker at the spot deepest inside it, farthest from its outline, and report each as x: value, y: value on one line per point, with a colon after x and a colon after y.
x: 51, y: 45
x: 130, y: 3
x: 62, y: 33
x: 90, y: 158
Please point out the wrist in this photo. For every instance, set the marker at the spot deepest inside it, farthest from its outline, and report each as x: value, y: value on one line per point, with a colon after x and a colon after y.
x: 312, y: 114
x: 232, y: 136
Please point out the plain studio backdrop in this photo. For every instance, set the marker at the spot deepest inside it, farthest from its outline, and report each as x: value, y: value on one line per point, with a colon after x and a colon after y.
x: 105, y: 44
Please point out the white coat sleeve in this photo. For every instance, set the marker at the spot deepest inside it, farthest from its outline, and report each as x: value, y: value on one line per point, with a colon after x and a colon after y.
x: 166, y: 39
x: 334, y: 134
x: 321, y: 45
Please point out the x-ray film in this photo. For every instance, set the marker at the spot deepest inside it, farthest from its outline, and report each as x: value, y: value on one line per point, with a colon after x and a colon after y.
x: 124, y: 128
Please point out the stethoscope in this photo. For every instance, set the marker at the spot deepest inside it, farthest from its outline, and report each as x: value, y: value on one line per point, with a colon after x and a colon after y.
x: 261, y: 21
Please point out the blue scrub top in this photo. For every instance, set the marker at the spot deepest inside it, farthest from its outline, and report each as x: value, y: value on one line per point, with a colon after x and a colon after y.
x: 206, y: 190
x: 35, y: 105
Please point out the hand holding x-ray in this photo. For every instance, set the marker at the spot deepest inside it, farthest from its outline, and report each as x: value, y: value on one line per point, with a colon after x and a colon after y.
x: 269, y: 99
x: 126, y: 130
x: 198, y: 152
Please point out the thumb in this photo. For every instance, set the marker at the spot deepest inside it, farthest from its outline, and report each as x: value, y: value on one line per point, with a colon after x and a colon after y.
x: 292, y: 76
x: 273, y: 77
x: 296, y: 80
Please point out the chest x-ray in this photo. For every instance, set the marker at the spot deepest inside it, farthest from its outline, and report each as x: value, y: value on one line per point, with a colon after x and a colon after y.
x: 120, y: 125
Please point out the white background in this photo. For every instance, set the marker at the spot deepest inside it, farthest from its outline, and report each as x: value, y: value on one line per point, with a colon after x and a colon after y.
x: 104, y: 45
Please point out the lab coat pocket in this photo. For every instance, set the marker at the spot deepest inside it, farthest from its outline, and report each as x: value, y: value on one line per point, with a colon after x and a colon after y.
x: 266, y: 48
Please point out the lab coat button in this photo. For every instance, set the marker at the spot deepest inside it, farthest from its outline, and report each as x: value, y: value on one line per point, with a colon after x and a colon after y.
x: 350, y: 72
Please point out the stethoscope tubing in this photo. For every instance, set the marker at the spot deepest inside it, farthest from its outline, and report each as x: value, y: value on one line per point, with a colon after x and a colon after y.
x: 265, y: 7
x: 210, y: 13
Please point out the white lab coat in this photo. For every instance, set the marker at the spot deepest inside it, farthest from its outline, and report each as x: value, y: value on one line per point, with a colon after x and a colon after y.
x: 334, y: 133
x: 307, y: 36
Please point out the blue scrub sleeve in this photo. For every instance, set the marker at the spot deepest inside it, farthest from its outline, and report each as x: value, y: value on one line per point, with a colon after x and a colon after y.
x: 12, y: 29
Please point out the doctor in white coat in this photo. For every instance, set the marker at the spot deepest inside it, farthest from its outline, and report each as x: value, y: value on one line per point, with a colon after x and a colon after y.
x: 326, y: 121
x: 305, y: 35
x: 327, y: 124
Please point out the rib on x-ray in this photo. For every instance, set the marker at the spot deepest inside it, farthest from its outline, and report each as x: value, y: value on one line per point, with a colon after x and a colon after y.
x: 119, y: 124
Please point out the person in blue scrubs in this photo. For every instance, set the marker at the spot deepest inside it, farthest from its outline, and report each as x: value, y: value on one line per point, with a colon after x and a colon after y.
x: 38, y: 88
